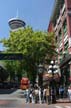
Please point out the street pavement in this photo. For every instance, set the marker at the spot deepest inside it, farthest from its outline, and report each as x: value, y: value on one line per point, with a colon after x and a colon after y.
x: 16, y: 94
x: 19, y: 104
x: 16, y: 99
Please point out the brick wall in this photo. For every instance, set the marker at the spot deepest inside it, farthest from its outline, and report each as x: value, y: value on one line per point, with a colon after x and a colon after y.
x: 50, y: 27
x: 68, y: 3
x: 68, y: 10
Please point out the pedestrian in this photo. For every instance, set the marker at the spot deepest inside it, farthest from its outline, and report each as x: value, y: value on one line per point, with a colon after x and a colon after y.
x: 69, y: 92
x: 36, y: 91
x: 27, y: 95
x: 33, y: 96
x: 61, y: 91
x: 30, y: 97
x: 53, y: 95
x: 40, y: 96
x: 44, y: 95
x: 48, y: 99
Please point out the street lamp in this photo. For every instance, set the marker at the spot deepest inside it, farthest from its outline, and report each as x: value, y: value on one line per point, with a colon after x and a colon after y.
x: 51, y: 68
x: 52, y: 71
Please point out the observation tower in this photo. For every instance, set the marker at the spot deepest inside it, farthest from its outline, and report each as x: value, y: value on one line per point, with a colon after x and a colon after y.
x: 16, y: 23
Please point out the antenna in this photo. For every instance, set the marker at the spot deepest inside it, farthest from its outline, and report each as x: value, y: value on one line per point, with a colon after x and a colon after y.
x: 17, y: 15
x: 16, y: 23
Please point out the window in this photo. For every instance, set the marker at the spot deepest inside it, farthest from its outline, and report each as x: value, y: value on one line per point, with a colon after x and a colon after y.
x: 60, y: 35
x: 61, y: 54
x: 66, y: 47
x: 64, y: 12
x: 65, y: 27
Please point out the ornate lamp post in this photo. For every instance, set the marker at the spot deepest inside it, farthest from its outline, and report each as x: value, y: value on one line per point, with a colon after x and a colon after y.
x: 52, y: 70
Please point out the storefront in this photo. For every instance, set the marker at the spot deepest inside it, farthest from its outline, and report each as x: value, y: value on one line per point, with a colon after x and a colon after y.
x: 65, y: 67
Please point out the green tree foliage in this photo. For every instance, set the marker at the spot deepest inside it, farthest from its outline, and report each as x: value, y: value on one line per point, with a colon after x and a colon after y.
x: 14, y: 70
x: 3, y: 74
x: 34, y: 45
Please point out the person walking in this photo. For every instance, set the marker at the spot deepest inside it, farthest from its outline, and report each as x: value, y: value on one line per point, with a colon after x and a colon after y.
x: 30, y: 95
x: 61, y: 91
x: 33, y: 96
x: 53, y: 94
x: 36, y: 92
x: 40, y: 96
x: 48, y: 99
x: 44, y: 95
x: 27, y: 95
x: 69, y: 93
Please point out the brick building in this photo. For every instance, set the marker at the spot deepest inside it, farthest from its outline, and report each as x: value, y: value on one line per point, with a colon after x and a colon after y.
x: 61, y: 23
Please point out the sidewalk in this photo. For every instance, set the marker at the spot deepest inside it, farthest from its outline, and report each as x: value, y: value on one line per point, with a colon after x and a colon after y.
x: 12, y: 95
x: 64, y: 100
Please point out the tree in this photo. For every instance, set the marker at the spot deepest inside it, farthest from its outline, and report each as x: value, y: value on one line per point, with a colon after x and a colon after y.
x: 13, y: 69
x: 34, y: 45
x: 3, y: 72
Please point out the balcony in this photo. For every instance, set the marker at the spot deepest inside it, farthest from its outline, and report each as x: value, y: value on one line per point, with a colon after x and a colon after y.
x: 65, y: 38
x: 63, y: 9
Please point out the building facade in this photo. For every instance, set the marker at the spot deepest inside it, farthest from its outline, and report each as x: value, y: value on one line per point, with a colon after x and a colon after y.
x: 61, y: 22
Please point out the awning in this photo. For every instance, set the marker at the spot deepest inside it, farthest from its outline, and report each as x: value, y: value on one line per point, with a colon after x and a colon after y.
x: 65, y: 60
